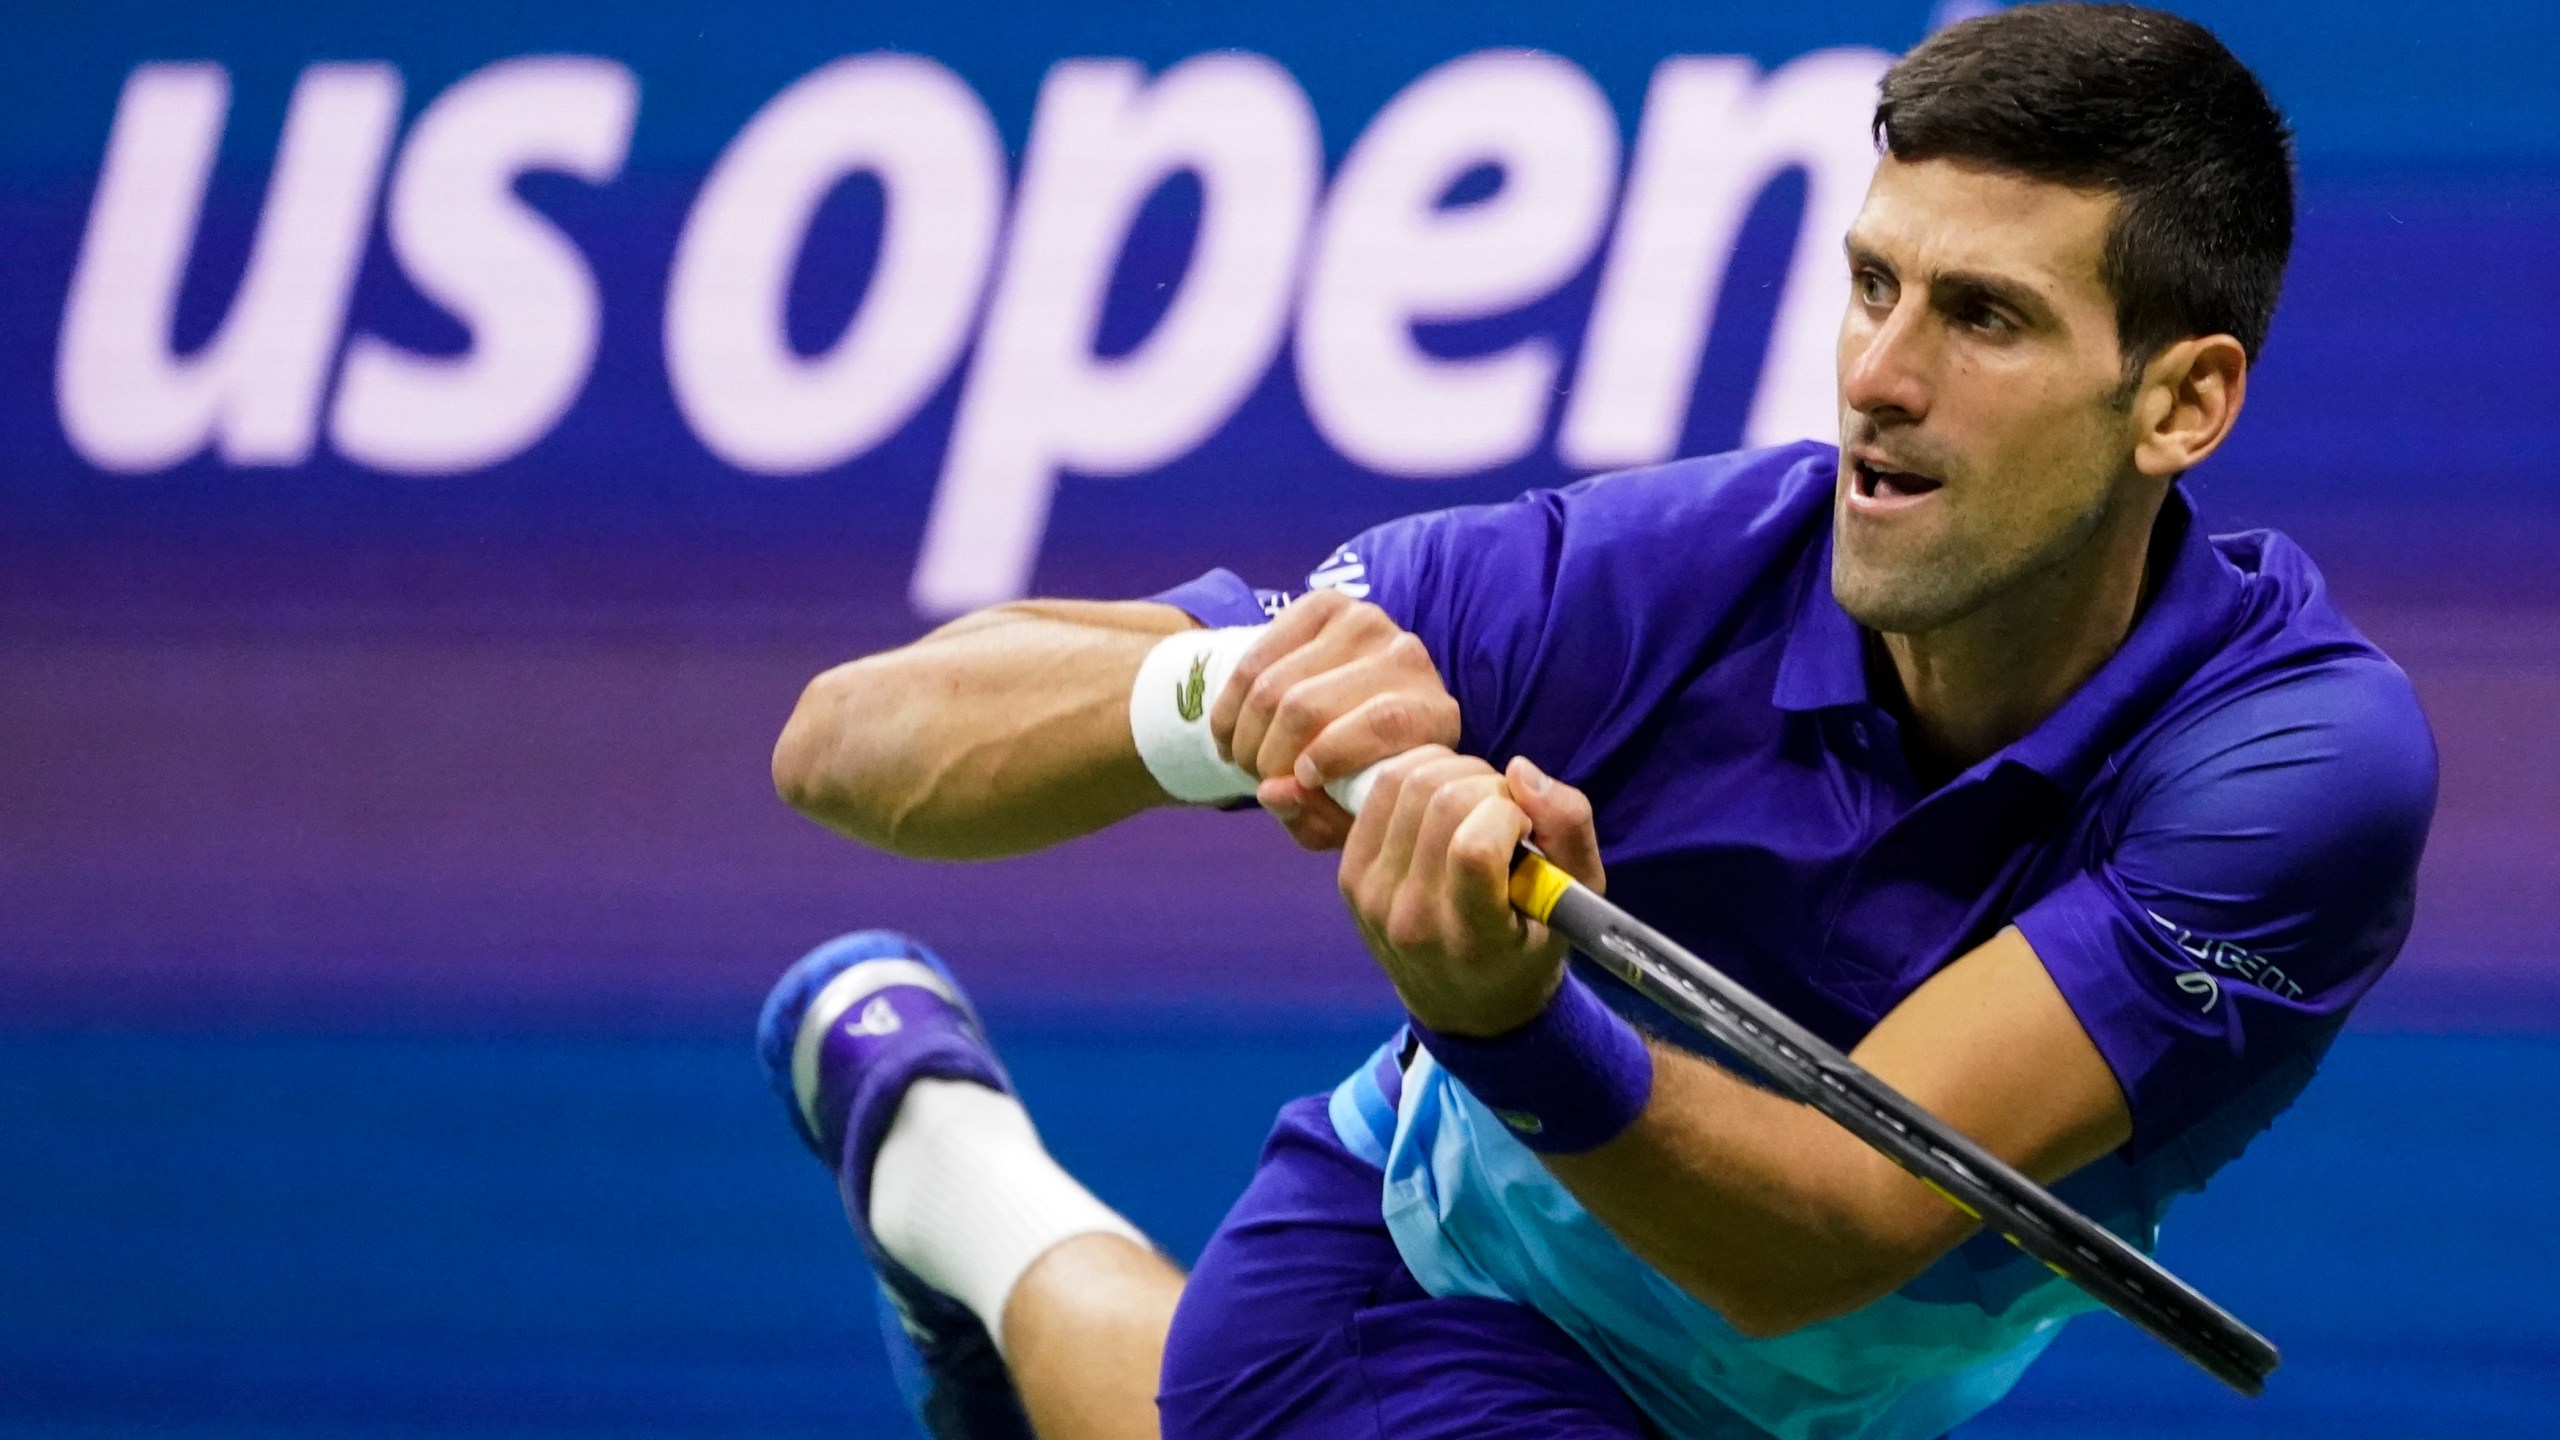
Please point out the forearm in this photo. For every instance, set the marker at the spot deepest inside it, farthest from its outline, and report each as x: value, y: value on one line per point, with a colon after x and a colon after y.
x: 1776, y: 1216
x: 1760, y: 1207
x: 997, y: 734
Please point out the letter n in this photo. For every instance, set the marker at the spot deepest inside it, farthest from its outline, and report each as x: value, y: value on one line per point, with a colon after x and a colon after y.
x: 1715, y: 133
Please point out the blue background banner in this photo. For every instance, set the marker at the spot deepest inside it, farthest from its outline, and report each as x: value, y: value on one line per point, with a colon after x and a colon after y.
x: 437, y: 442
x: 572, y: 146
x: 417, y: 518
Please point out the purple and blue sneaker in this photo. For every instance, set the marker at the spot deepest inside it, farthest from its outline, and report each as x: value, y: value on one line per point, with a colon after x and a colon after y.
x: 844, y: 1033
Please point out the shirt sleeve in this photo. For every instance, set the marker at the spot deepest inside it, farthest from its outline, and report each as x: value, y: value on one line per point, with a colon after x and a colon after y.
x: 2258, y: 881
x: 1222, y: 598
x: 1470, y: 582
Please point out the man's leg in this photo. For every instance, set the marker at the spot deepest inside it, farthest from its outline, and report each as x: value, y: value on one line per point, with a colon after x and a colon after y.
x: 1013, y: 1288
x: 965, y: 1195
x: 1302, y: 1324
x: 1084, y: 1335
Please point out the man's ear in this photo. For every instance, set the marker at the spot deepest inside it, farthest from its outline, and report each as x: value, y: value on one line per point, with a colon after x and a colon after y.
x: 2187, y: 399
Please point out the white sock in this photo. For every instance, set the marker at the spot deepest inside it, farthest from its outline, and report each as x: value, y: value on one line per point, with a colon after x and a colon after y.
x: 964, y: 1194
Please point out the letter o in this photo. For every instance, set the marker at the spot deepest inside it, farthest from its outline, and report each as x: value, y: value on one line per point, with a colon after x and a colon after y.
x: 752, y: 399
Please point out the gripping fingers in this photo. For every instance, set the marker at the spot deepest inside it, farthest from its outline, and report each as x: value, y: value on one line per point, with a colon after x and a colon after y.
x: 1310, y: 700
x: 1378, y: 858
x: 1389, y: 721
x: 1359, y: 651
x: 1434, y: 802
x: 1292, y: 628
x: 1311, y: 817
x: 1414, y: 797
x: 1456, y: 887
x: 1259, y: 697
x: 1361, y: 848
x: 1479, y: 863
x: 1559, y: 821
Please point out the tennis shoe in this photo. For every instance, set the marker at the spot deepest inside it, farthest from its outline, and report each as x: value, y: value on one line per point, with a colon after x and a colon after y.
x: 844, y: 1033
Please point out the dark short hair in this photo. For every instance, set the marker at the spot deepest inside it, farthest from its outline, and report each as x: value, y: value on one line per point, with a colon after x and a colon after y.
x: 2139, y: 103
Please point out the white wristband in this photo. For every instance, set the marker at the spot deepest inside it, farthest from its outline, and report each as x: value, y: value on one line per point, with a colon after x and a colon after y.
x: 1169, y: 713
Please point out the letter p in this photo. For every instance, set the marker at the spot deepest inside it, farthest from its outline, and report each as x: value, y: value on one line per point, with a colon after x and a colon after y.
x: 1038, y: 399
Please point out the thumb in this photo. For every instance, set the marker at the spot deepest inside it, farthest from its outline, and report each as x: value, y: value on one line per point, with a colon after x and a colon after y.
x: 1559, y: 820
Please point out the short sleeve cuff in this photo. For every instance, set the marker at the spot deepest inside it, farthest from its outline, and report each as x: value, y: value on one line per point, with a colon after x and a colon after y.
x: 2172, y: 1054
x: 1217, y: 599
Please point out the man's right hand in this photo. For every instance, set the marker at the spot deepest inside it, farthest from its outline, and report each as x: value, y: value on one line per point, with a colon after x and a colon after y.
x: 1332, y: 687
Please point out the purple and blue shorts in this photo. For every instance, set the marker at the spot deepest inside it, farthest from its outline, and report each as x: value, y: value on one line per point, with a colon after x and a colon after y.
x: 1301, y: 1323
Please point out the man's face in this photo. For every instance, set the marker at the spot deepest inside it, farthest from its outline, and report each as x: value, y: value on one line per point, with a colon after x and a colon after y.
x: 1981, y: 435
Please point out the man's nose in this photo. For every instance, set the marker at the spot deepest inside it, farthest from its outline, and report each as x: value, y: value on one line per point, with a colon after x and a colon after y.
x: 1886, y: 377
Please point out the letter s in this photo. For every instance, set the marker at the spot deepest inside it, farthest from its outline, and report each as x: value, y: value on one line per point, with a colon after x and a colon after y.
x: 470, y: 245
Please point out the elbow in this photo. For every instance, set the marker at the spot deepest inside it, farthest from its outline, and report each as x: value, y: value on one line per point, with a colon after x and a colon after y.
x: 848, y: 757
x: 1845, y: 1278
x: 817, y: 769
x: 1753, y: 1324
x: 851, y: 759
x: 1775, y: 1316
x: 795, y: 764
x: 1841, y: 1256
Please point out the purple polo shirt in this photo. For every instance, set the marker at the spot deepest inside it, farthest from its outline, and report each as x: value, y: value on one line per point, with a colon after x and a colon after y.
x: 2211, y: 844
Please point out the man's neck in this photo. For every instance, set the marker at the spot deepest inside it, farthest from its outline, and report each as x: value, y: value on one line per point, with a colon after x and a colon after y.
x: 1974, y: 686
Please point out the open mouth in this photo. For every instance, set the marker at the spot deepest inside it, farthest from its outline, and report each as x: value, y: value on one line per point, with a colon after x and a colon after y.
x: 1875, y: 482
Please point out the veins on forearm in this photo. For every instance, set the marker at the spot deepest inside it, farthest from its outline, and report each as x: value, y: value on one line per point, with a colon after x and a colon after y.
x: 999, y: 733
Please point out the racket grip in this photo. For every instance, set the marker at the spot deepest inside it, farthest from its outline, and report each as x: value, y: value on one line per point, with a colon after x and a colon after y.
x: 1352, y: 791
x: 1536, y: 883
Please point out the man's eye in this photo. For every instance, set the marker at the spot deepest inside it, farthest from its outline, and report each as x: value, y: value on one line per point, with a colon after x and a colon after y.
x: 1872, y: 288
x: 1989, y: 321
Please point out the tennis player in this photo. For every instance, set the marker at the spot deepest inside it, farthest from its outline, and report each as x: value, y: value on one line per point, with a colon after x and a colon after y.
x: 1964, y: 743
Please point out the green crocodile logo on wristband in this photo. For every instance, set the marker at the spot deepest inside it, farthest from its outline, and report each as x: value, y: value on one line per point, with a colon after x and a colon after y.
x: 1188, y: 695
x: 1521, y: 1121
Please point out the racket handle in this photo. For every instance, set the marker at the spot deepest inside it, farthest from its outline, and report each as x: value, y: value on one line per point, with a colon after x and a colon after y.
x: 1352, y: 791
x: 1536, y: 883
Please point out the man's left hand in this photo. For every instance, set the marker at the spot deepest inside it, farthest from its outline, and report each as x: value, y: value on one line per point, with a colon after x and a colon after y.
x: 1427, y: 873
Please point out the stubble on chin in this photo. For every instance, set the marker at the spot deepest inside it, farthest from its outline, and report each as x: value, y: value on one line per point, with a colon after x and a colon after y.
x: 1921, y: 585
x: 1913, y: 597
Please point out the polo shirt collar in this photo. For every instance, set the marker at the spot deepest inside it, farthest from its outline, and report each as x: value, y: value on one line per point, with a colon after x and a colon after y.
x: 2189, y: 617
x: 1825, y: 660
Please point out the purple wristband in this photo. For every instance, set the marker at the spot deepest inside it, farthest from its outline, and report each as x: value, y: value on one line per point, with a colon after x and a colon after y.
x: 1571, y: 1080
